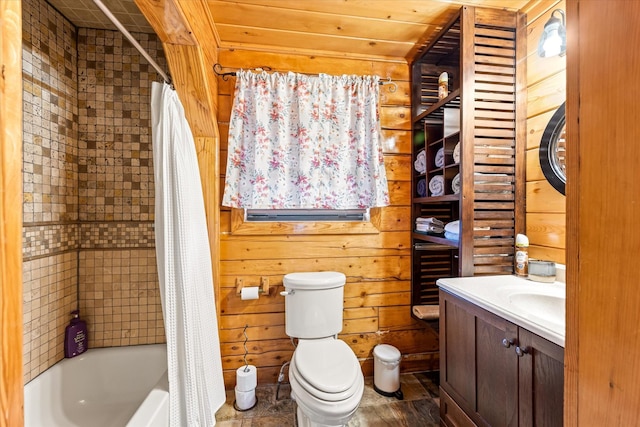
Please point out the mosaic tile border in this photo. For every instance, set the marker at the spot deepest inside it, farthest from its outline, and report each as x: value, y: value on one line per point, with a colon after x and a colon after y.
x: 43, y: 240
x: 50, y: 239
x: 120, y: 235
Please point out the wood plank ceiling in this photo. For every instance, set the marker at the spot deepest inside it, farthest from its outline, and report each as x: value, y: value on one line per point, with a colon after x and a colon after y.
x: 375, y: 29
x: 381, y: 29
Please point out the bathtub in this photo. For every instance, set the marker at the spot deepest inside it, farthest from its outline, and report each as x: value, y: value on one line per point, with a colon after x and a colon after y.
x: 114, y: 387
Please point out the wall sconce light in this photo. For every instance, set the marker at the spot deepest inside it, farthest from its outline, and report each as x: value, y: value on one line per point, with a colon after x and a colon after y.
x: 554, y: 37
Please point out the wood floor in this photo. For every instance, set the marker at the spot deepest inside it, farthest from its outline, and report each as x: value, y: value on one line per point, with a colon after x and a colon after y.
x: 420, y: 406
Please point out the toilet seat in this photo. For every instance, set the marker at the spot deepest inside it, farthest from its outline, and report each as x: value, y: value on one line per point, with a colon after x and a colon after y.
x: 326, y: 369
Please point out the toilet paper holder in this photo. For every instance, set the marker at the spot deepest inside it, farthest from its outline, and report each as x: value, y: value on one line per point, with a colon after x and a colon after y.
x: 264, y: 285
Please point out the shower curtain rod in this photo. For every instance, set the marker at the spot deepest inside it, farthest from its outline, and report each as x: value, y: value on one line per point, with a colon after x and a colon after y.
x: 217, y: 68
x: 133, y: 41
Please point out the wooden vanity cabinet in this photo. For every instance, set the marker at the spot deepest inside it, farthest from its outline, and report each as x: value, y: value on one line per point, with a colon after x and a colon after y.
x: 494, y: 373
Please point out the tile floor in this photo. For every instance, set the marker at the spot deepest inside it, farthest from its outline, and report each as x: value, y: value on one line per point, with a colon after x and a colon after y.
x: 420, y: 406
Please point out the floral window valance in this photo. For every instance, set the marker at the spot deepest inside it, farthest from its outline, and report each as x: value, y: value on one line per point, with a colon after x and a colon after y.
x: 305, y: 142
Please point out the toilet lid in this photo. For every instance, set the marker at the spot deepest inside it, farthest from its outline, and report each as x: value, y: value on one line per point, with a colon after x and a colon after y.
x: 328, y: 365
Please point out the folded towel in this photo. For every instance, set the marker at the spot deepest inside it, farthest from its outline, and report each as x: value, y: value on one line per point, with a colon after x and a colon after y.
x: 429, y: 221
x: 455, y: 184
x: 421, y: 188
x: 430, y: 228
x: 439, y: 160
x: 453, y: 227
x: 456, y: 153
x: 451, y: 236
x: 436, y: 186
x: 420, y: 164
x: 426, y: 312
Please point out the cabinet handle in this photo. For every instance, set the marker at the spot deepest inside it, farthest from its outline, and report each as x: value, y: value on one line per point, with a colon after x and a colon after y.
x: 521, y: 351
x: 507, y: 343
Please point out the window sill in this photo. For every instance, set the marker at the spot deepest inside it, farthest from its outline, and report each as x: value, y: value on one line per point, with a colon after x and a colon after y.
x: 240, y: 227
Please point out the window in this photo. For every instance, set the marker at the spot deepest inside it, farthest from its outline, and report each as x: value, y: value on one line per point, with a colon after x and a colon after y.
x: 314, y: 215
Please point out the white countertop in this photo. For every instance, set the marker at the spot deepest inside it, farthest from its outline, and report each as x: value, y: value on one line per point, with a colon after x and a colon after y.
x: 537, y: 307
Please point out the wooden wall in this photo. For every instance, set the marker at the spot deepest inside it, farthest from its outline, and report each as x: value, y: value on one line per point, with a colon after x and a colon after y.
x: 11, y: 396
x: 377, y: 265
x: 602, y: 352
x: 546, y: 90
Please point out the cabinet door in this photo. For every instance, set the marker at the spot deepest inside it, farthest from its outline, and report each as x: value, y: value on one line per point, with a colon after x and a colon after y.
x: 479, y: 367
x: 496, y: 370
x: 457, y: 351
x: 541, y: 372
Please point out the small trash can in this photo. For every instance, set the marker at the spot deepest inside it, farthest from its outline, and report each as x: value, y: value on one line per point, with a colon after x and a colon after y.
x: 386, y: 371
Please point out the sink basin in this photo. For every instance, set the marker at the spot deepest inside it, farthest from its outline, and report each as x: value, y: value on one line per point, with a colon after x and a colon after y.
x: 541, y: 306
x: 539, y: 302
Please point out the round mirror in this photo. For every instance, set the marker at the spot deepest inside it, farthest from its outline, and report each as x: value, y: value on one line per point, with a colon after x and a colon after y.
x: 553, y: 149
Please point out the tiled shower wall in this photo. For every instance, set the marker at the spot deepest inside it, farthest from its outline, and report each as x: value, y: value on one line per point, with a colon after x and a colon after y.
x: 88, y: 187
x: 50, y: 183
x: 118, y: 284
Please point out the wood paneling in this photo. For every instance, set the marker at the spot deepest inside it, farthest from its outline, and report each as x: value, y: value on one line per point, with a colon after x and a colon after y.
x: 258, y: 247
x: 535, y: 128
x: 11, y: 396
x: 571, y: 348
x: 311, y: 64
x: 377, y: 264
x: 547, y: 94
x: 542, y: 197
x: 207, y: 152
x: 547, y: 229
x: 546, y: 81
x: 383, y: 29
x: 603, y: 211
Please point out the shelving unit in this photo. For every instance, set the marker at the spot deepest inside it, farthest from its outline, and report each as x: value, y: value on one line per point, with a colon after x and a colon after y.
x: 484, y: 115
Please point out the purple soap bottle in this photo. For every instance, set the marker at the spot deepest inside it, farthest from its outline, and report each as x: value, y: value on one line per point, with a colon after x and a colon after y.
x: 75, y: 336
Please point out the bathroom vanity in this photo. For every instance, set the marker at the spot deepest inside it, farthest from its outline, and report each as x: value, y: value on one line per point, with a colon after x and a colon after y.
x: 501, y: 352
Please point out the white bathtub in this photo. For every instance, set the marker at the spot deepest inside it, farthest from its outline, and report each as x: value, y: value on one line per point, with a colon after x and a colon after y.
x: 104, y: 387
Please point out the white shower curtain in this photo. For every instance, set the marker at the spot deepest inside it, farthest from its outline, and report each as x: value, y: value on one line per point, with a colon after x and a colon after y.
x: 196, y: 386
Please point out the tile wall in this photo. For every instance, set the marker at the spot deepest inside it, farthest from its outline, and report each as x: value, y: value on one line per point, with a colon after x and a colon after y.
x: 88, y: 187
x: 118, y: 283
x: 50, y: 183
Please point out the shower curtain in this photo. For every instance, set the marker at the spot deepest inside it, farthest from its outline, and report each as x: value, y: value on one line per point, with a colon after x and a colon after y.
x: 196, y: 386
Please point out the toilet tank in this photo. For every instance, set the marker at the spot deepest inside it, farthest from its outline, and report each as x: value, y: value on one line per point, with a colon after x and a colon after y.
x: 313, y: 304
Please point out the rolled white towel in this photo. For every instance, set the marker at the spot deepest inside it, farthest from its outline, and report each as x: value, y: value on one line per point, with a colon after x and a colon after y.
x: 439, y: 159
x: 456, y: 153
x: 420, y: 164
x: 436, y: 186
x: 451, y: 236
x: 455, y: 184
x: 452, y: 227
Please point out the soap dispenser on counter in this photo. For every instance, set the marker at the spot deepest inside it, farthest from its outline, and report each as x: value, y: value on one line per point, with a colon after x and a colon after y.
x: 75, y: 337
x: 521, y: 256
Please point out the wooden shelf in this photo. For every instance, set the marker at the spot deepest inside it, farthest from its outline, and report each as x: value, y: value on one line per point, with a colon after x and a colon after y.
x: 443, y: 102
x: 438, y: 199
x: 441, y: 240
x: 490, y: 145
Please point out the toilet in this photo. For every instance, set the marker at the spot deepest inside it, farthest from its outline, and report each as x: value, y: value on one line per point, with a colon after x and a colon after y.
x: 326, y: 379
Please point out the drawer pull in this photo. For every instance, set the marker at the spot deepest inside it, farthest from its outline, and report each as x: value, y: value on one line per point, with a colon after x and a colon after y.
x: 521, y: 351
x: 507, y: 343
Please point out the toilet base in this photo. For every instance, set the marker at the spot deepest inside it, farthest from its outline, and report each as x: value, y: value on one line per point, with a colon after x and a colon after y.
x: 304, y: 421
